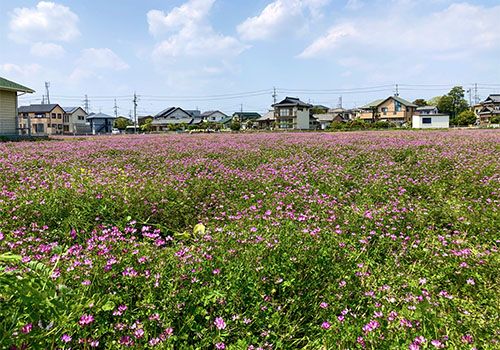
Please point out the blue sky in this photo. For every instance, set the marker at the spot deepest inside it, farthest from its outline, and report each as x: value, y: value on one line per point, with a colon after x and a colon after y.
x: 225, y: 54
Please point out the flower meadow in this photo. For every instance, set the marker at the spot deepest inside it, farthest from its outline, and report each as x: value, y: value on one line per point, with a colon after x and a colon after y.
x: 369, y: 240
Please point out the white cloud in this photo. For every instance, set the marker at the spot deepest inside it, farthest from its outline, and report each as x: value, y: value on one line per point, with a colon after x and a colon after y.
x: 189, y: 33
x: 47, y: 50
x: 354, y: 4
x: 280, y: 16
x: 48, y: 20
x: 457, y: 30
x: 93, y: 61
x: 103, y: 58
x: 15, y: 70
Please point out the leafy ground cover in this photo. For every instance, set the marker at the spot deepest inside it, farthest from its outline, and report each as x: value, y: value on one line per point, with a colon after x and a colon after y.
x: 375, y: 240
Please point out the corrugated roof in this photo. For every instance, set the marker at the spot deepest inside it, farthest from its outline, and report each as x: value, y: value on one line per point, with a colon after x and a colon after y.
x: 37, y: 108
x: 9, y: 85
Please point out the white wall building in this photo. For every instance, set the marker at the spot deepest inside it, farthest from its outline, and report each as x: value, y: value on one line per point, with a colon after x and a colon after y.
x: 431, y: 121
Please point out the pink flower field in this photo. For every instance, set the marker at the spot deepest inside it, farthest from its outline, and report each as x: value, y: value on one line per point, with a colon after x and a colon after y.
x: 361, y: 240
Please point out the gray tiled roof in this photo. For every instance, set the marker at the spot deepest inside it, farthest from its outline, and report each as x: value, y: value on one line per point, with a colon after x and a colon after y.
x: 292, y: 102
x: 37, y: 108
x: 100, y: 116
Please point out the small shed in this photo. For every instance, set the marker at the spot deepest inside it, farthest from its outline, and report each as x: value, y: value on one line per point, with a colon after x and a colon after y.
x: 9, y: 122
x: 431, y: 121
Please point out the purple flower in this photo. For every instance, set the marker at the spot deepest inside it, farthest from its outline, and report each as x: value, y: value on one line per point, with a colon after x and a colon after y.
x: 220, y: 346
x: 371, y: 326
x: 219, y: 323
x: 66, y: 338
x: 467, y: 339
x: 27, y: 328
x: 323, y: 305
x: 326, y: 325
x: 139, y: 333
x: 86, y: 319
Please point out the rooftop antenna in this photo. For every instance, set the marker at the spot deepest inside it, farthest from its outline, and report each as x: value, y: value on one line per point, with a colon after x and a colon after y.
x: 274, y: 95
x: 340, y: 102
x: 43, y: 99
x: 397, y: 90
x: 47, y: 85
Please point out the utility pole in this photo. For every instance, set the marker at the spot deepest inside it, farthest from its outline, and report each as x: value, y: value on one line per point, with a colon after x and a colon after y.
x: 274, y: 95
x: 476, y: 96
x: 469, y: 91
x: 43, y: 99
x: 241, y: 108
x: 116, y: 109
x: 47, y: 85
x: 86, y: 104
x: 135, y: 113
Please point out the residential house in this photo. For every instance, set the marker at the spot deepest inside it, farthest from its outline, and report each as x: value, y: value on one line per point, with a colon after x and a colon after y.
x: 394, y: 109
x: 246, y: 119
x: 293, y: 114
x: 213, y: 116
x: 9, y: 119
x: 75, y: 121
x: 267, y: 121
x: 334, y: 115
x: 41, y: 119
x: 320, y: 109
x: 489, y: 109
x: 431, y: 121
x: 101, y: 123
x: 174, y: 116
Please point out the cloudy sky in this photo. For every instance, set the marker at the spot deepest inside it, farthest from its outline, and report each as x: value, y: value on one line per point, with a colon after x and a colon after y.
x: 229, y: 54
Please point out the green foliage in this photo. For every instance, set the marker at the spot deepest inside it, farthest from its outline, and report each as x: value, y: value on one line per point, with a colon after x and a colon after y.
x: 453, y: 103
x: 121, y: 123
x: 465, y: 118
x: 420, y: 102
x: 235, y: 126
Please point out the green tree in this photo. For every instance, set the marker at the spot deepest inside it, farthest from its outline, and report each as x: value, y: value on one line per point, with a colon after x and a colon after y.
x: 420, y: 102
x: 121, y: 123
x: 235, y: 126
x: 146, y: 125
x: 466, y: 118
x: 453, y: 103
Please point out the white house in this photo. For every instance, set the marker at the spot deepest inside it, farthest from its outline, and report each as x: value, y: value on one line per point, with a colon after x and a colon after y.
x: 431, y: 121
x: 213, y: 116
x: 75, y: 121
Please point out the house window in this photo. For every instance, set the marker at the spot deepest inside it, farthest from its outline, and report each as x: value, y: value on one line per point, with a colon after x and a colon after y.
x: 81, y: 117
x: 397, y: 107
x: 384, y: 110
x: 59, y: 116
x: 38, y: 127
x: 39, y: 115
x: 53, y: 115
x: 284, y: 112
x: 426, y: 120
x: 66, y: 118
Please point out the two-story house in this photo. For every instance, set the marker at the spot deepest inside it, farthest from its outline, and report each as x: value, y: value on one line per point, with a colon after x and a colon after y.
x: 9, y: 118
x: 45, y: 119
x: 488, y: 109
x: 75, y: 121
x: 213, y: 116
x: 293, y: 114
x: 175, y: 116
x: 394, y: 109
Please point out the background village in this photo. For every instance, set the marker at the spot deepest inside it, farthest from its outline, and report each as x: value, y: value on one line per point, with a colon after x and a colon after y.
x: 51, y: 118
